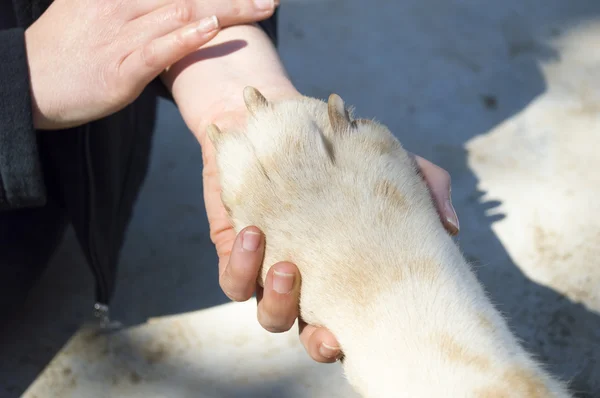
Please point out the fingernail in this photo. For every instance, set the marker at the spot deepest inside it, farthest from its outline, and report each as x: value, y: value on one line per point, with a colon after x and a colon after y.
x: 207, y: 25
x: 250, y: 241
x: 283, y: 283
x: 451, y: 216
x: 328, y: 351
x: 264, y: 4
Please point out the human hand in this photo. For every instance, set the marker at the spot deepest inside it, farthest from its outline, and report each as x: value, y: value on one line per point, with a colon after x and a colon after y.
x: 241, y: 256
x: 88, y: 59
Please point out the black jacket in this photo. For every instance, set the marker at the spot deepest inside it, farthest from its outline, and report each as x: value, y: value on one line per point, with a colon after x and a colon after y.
x: 92, y: 172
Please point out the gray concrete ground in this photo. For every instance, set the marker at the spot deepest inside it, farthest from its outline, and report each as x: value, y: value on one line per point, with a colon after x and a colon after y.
x: 504, y: 95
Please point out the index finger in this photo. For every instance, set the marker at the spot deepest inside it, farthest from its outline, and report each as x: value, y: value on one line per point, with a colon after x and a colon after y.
x: 231, y: 12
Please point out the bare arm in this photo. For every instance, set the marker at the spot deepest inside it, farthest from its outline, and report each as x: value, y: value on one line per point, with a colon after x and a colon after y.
x: 208, y: 84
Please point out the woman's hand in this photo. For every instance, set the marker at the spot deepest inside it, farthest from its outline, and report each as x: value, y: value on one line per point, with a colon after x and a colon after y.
x: 88, y: 59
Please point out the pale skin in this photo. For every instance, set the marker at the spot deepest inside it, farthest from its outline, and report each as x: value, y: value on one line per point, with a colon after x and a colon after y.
x: 89, y: 59
x: 116, y: 48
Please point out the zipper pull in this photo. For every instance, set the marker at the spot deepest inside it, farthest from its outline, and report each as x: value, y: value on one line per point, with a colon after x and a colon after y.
x: 102, y: 316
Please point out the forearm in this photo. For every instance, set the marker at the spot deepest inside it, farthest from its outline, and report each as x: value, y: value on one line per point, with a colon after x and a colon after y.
x: 209, y: 83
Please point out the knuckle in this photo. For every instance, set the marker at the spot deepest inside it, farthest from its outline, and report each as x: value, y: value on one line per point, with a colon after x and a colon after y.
x: 148, y: 54
x: 223, y: 252
x: 114, y: 83
x: 103, y: 9
x: 235, y: 10
x: 110, y: 75
x: 178, y: 40
x: 184, y: 11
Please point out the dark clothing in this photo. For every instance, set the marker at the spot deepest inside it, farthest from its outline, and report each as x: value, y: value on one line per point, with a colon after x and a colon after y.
x: 88, y: 176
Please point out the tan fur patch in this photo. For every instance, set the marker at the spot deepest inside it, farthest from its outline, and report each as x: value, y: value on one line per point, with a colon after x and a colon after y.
x: 526, y: 383
x: 384, y: 146
x: 381, y: 147
x: 294, y: 145
x: 362, y: 277
x: 358, y: 282
x: 492, y: 392
x: 386, y: 189
x: 267, y: 163
x: 518, y: 382
x: 458, y: 353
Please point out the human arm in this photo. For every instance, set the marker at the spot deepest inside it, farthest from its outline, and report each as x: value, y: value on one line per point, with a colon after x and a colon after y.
x: 269, y: 26
x: 83, y: 60
x: 207, y: 87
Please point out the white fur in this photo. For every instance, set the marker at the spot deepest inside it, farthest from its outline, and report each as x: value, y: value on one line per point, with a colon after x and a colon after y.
x: 347, y: 206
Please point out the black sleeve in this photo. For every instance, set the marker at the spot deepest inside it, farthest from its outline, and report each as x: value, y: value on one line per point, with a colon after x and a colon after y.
x: 21, y: 179
x: 269, y: 26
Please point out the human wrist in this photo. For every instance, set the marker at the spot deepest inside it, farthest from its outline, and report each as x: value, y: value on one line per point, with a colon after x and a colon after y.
x: 229, y: 112
x: 208, y: 85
